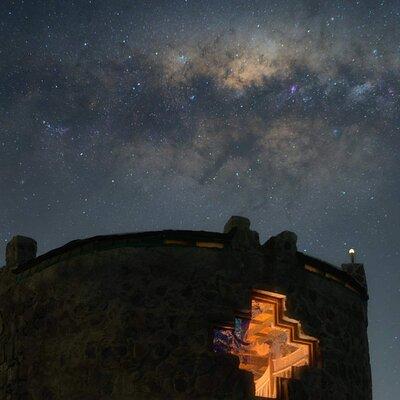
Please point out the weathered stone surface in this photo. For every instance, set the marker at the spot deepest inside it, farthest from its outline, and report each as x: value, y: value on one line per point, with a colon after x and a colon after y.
x: 243, y: 237
x: 357, y: 271
x: 241, y: 223
x: 20, y: 249
x: 283, y: 246
x: 136, y: 323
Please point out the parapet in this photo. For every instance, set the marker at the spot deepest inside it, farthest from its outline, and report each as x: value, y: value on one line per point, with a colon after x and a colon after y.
x: 243, y: 237
x: 20, y: 249
x: 237, y: 236
x: 357, y: 271
x: 283, y: 246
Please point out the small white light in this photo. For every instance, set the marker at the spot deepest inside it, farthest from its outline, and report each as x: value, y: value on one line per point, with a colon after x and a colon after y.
x: 352, y: 254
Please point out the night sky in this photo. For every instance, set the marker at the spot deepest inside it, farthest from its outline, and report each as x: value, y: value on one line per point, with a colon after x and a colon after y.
x: 125, y: 116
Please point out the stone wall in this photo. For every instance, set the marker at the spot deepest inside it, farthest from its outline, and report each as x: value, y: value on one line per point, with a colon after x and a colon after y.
x: 128, y: 322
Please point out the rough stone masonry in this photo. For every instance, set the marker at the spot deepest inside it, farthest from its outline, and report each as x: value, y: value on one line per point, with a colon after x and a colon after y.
x: 131, y: 317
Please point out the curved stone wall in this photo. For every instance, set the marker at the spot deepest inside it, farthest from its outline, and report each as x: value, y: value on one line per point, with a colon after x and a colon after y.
x: 132, y: 316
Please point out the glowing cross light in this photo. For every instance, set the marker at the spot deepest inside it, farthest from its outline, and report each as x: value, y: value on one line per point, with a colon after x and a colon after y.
x: 268, y: 344
x: 352, y: 254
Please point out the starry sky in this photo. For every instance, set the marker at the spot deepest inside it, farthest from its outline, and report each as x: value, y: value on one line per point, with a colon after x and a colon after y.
x: 123, y: 116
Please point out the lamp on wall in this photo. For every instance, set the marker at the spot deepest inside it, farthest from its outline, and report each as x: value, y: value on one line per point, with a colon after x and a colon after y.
x: 352, y: 254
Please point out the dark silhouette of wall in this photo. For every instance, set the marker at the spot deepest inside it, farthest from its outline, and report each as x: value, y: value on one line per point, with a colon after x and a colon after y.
x: 131, y: 317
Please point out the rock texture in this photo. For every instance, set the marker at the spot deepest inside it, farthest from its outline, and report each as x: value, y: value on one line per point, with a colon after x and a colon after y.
x: 20, y: 250
x: 131, y: 316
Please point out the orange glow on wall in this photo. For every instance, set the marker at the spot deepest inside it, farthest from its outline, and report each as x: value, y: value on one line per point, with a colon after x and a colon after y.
x: 269, y: 344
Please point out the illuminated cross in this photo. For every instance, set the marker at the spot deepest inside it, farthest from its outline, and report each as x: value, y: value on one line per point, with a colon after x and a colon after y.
x: 268, y: 343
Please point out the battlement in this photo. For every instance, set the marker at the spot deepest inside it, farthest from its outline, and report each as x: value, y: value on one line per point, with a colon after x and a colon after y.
x: 180, y: 238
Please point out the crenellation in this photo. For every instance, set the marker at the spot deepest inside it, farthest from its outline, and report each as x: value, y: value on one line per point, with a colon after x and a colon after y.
x: 19, y: 250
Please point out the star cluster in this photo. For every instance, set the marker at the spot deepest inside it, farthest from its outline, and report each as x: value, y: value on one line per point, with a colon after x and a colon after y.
x: 128, y: 116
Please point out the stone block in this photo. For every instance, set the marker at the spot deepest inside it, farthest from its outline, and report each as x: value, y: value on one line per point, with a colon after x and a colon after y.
x: 19, y: 250
x: 244, y: 238
x: 282, y: 246
x: 238, y: 222
x: 356, y: 271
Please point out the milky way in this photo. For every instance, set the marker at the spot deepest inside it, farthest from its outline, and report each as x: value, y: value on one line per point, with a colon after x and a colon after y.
x: 128, y: 116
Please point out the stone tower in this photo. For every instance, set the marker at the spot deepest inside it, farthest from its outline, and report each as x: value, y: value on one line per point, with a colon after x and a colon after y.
x: 181, y: 315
